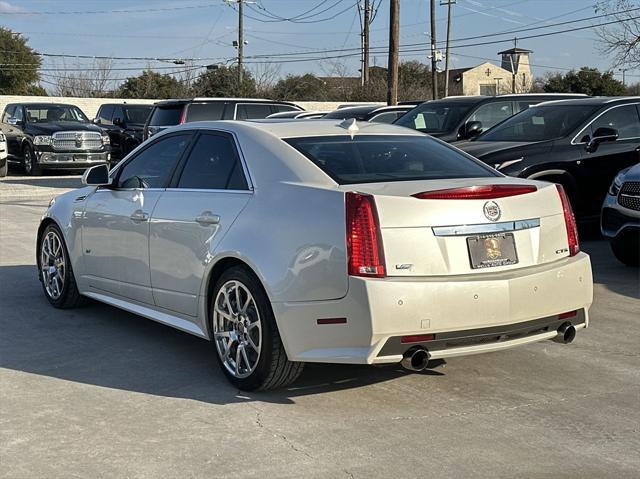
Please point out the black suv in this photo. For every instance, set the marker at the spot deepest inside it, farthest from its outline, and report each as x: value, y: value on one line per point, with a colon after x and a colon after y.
x: 124, y: 124
x: 581, y: 144
x: 174, y: 112
x: 464, y: 117
x: 52, y: 135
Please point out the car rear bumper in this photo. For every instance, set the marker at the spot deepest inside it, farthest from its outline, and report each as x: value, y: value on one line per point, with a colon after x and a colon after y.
x: 502, y: 307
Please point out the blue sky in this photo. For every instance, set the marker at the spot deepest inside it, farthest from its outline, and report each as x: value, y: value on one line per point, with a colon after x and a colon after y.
x: 204, y: 29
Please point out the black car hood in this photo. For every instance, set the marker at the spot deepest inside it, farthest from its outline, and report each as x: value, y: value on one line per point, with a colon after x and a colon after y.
x: 480, y: 149
x: 55, y: 126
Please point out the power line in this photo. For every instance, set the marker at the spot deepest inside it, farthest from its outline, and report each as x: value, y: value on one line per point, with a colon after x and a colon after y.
x: 98, y: 12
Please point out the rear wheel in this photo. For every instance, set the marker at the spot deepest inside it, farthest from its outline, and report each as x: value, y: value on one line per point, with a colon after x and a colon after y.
x: 626, y: 250
x: 56, y: 274
x: 245, y: 334
x: 31, y: 166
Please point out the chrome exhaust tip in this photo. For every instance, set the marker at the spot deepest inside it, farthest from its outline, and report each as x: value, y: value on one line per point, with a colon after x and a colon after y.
x: 415, y: 359
x: 566, y: 333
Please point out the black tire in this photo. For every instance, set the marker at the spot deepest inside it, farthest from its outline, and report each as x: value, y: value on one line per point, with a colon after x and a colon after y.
x: 30, y: 163
x: 627, y: 251
x: 4, y: 169
x: 69, y: 297
x: 273, y: 369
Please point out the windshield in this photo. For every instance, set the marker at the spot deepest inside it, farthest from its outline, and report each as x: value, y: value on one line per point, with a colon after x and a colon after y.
x: 540, y: 123
x: 49, y: 113
x: 137, y: 114
x: 435, y: 116
x: 378, y: 158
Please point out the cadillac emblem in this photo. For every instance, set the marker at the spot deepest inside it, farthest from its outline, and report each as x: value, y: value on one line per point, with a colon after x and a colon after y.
x: 78, y: 140
x: 492, y: 211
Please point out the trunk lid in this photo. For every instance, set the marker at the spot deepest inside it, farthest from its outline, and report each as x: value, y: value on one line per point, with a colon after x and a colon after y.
x: 435, y: 237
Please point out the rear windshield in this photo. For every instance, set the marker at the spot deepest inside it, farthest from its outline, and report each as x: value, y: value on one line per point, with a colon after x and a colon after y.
x: 205, y: 111
x: 137, y: 114
x: 436, y: 116
x: 377, y: 158
x: 166, y: 115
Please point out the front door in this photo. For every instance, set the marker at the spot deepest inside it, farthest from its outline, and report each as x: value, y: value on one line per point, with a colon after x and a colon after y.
x: 191, y: 217
x: 115, y: 226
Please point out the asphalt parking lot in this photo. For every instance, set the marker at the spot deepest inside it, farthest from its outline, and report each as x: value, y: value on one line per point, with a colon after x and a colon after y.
x: 97, y: 392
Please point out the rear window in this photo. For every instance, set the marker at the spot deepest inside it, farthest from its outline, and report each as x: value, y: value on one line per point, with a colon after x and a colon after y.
x: 252, y: 111
x: 205, y: 111
x: 377, y: 158
x: 166, y: 115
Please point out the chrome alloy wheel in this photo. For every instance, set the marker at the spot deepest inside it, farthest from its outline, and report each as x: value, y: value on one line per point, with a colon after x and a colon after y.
x: 237, y: 329
x: 52, y: 264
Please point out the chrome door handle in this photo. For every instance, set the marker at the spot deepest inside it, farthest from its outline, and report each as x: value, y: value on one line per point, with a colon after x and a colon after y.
x: 207, y: 218
x: 139, y: 215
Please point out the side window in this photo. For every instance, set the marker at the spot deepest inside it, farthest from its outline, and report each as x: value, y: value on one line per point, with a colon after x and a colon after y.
x: 18, y: 113
x: 387, y: 117
x: 250, y: 111
x: 523, y: 105
x: 118, y: 113
x: 153, y: 166
x: 105, y: 114
x: 8, y: 113
x: 624, y: 119
x: 205, y: 111
x: 492, y: 113
x: 281, y: 108
x: 213, y: 164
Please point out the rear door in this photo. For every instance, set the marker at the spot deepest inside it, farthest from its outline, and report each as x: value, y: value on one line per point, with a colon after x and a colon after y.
x: 207, y: 194
x: 115, y: 226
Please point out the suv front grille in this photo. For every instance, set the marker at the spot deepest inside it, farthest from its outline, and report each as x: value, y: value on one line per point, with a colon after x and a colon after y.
x: 629, y: 195
x: 77, y: 140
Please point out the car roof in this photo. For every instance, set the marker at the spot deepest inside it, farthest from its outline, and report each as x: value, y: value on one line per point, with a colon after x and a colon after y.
x: 593, y: 100
x: 150, y: 105
x: 43, y: 104
x: 352, y: 110
x: 288, y: 128
x: 513, y: 96
x: 182, y: 101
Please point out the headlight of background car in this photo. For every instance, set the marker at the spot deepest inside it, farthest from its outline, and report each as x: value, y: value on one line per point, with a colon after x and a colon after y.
x: 614, y: 189
x: 106, y: 140
x: 42, y: 140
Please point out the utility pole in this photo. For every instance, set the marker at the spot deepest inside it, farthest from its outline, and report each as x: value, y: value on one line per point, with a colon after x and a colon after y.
x: 434, y: 61
x: 394, y: 47
x: 240, y: 42
x: 365, y: 43
x: 449, y: 4
x: 624, y: 71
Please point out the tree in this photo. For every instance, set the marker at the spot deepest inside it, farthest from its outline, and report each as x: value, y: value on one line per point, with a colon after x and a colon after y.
x: 150, y: 84
x: 223, y: 82
x: 621, y: 39
x: 300, y: 88
x: 20, y: 64
x: 93, y: 81
x: 587, y: 80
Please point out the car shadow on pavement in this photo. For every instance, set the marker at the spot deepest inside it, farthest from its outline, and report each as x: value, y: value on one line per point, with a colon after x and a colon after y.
x: 608, y: 271
x: 43, y: 181
x: 104, y: 346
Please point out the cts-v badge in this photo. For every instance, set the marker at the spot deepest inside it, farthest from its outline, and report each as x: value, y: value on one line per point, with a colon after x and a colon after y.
x: 492, y: 211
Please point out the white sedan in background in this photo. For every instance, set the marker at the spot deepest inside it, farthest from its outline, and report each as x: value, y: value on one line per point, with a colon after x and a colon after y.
x: 4, y: 165
x: 285, y: 242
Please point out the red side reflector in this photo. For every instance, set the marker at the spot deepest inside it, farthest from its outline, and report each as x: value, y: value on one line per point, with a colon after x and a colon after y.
x: 568, y: 314
x: 332, y: 321
x: 364, y: 240
x: 417, y: 338
x: 570, y: 222
x: 483, y: 192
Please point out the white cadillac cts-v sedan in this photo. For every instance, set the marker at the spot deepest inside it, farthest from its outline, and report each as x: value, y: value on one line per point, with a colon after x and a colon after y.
x: 285, y: 242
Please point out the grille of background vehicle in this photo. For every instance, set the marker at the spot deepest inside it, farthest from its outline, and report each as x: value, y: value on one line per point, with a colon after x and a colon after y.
x: 629, y: 195
x: 77, y: 140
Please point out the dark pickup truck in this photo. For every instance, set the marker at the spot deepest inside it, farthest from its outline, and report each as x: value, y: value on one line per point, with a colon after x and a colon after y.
x: 52, y: 135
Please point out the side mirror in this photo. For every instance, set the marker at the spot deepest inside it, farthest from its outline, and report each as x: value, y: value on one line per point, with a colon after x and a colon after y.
x: 602, y: 135
x: 471, y: 129
x: 96, y: 176
x: 15, y: 121
x: 97, y: 121
x: 118, y: 122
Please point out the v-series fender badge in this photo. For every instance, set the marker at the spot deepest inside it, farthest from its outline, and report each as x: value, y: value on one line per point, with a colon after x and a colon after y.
x: 563, y: 250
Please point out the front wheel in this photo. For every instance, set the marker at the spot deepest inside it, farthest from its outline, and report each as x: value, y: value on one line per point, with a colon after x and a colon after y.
x: 245, y: 334
x: 31, y: 166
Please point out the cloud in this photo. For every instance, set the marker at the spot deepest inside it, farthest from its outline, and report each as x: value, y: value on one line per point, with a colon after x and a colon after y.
x: 6, y: 7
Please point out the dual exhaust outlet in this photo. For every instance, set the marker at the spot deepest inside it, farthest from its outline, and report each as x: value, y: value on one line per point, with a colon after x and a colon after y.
x: 417, y: 357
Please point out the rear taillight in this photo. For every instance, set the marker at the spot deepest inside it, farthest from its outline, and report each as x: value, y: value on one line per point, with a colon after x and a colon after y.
x: 183, y: 115
x: 570, y: 222
x: 481, y: 192
x: 364, y: 241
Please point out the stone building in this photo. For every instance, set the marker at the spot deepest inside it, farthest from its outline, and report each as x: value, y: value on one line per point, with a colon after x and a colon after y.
x: 512, y: 76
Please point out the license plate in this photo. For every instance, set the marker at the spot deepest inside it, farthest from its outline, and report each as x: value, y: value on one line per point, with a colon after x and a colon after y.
x: 491, y: 250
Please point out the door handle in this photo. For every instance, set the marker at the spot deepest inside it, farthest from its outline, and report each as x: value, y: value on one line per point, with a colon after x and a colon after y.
x: 207, y: 218
x: 139, y: 216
